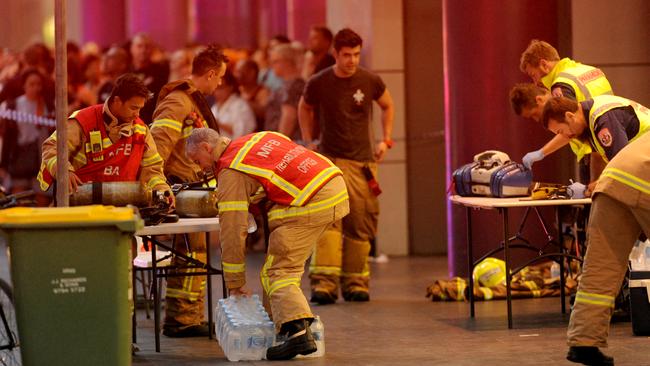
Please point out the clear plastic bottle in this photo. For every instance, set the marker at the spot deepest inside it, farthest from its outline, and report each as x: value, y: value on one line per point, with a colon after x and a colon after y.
x: 555, y: 270
x: 243, y: 328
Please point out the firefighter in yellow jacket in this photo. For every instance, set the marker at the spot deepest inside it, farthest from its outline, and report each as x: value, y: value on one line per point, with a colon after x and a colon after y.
x: 108, y: 143
x: 181, y: 108
x: 607, y: 123
x: 306, y: 193
x: 620, y: 211
x: 563, y: 77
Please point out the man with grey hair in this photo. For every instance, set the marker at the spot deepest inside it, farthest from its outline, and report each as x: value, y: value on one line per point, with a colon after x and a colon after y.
x: 305, y: 192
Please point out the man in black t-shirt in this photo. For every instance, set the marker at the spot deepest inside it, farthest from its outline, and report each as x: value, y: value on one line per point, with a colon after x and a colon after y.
x: 343, y: 95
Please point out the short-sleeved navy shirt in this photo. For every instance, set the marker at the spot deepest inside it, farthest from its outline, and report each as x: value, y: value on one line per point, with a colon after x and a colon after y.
x: 613, y: 129
x: 344, y: 106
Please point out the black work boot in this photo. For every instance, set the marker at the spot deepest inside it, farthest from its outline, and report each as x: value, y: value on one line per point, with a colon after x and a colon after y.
x: 299, y: 341
x: 356, y: 296
x: 197, y: 330
x: 589, y: 356
x: 322, y: 298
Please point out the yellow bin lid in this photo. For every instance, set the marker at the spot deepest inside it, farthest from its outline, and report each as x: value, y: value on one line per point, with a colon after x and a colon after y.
x: 68, y: 216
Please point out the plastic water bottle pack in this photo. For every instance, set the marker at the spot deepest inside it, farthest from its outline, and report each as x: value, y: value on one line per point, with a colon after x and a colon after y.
x: 244, y: 329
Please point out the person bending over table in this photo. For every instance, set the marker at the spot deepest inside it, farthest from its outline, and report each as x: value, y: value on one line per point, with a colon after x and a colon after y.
x: 306, y: 193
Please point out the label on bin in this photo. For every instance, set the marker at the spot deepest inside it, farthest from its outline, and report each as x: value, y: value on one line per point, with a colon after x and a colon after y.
x: 69, y: 285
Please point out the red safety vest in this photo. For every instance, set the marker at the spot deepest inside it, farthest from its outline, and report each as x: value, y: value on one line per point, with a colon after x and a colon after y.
x: 290, y: 174
x: 107, y: 161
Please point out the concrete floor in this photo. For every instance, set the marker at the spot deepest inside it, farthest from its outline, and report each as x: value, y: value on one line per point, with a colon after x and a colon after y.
x: 399, y: 326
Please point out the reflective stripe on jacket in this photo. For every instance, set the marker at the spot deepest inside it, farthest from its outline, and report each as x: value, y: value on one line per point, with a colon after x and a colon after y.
x: 586, y: 81
x: 101, y: 159
x: 605, y: 103
x: 290, y: 174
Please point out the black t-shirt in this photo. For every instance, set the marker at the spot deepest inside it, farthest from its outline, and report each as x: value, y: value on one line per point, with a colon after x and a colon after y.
x: 344, y: 106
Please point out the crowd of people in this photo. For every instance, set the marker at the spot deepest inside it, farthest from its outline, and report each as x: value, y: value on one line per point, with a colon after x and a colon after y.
x: 260, y: 90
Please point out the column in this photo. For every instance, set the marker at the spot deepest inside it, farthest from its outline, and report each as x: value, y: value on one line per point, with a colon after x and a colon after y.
x: 302, y: 15
x: 166, y: 21
x: 103, y: 22
x: 483, y: 41
x: 231, y: 23
x: 380, y: 24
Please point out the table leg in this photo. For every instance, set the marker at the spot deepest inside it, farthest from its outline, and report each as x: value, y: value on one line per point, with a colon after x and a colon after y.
x: 559, y: 241
x: 134, y: 298
x: 470, y: 262
x: 156, y: 300
x: 506, y: 250
x: 209, y: 279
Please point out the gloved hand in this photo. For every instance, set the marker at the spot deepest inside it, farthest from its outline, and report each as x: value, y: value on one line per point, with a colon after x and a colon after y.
x: 576, y: 190
x: 532, y: 157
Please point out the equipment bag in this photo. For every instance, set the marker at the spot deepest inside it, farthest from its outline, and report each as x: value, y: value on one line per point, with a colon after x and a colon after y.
x: 492, y: 174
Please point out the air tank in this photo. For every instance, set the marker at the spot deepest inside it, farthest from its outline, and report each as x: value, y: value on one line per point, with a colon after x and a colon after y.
x: 196, y: 203
x: 112, y: 193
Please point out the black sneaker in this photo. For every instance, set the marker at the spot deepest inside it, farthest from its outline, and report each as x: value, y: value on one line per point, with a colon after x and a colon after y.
x: 322, y: 298
x: 197, y: 330
x: 356, y: 296
x: 589, y: 356
x: 299, y: 341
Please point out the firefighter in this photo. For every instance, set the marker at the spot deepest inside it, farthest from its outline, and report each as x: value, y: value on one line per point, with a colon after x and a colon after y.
x: 563, y: 77
x: 343, y: 95
x: 108, y: 142
x: 620, y: 211
x: 181, y: 108
x: 306, y: 193
x: 607, y: 123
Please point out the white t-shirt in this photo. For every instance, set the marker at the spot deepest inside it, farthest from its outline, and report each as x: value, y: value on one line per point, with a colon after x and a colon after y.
x: 237, y: 113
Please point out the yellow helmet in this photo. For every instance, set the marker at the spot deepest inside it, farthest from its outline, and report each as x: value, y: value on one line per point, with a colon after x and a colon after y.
x: 490, y: 272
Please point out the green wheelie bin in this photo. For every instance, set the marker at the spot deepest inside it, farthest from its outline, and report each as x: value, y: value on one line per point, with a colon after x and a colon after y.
x: 70, y: 271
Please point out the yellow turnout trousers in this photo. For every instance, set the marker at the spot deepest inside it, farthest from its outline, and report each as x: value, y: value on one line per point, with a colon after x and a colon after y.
x: 185, y: 295
x: 613, y: 229
x: 342, y: 251
x: 294, y: 233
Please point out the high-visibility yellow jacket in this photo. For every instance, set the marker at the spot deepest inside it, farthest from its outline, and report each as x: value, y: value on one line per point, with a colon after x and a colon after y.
x: 603, y: 104
x: 290, y: 174
x: 114, y: 138
x: 626, y: 177
x: 266, y: 164
x: 586, y: 81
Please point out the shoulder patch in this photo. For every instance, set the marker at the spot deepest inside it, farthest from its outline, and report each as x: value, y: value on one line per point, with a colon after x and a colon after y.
x: 605, y: 137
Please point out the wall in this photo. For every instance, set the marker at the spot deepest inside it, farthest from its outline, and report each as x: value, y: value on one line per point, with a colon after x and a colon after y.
x: 425, y: 127
x: 614, y: 36
x: 380, y: 24
x: 483, y: 43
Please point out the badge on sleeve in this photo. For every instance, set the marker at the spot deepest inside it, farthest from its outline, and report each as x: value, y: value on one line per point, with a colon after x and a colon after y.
x: 605, y: 137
